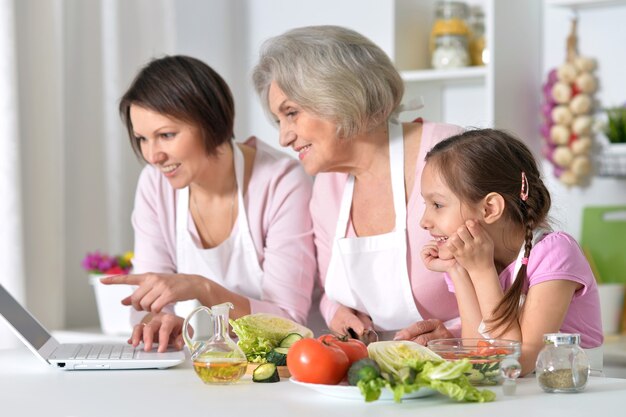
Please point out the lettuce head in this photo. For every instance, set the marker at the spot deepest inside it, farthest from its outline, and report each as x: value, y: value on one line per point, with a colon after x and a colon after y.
x: 261, y: 332
x: 392, y: 356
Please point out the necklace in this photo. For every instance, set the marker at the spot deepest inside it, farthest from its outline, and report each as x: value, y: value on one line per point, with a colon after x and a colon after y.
x: 211, y: 241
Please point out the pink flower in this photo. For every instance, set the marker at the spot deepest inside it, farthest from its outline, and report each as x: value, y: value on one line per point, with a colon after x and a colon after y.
x: 100, y: 263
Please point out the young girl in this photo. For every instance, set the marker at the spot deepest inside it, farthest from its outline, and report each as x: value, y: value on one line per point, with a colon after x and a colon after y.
x: 486, y: 210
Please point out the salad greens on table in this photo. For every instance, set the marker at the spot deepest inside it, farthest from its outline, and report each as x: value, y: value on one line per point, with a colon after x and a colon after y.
x: 260, y: 333
x: 407, y: 366
x: 400, y: 366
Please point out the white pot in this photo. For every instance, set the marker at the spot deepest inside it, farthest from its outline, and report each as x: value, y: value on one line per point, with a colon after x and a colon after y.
x: 114, y: 317
x: 611, y: 306
x: 611, y: 160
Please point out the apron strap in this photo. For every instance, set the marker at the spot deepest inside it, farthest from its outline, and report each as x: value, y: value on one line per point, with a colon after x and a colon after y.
x: 344, y: 209
x: 238, y: 160
x: 396, y: 165
x: 182, y: 214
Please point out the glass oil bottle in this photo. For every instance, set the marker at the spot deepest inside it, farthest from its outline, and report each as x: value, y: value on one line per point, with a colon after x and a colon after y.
x: 217, y: 360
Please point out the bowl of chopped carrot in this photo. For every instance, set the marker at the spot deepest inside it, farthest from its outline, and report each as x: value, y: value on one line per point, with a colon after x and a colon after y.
x: 485, y: 356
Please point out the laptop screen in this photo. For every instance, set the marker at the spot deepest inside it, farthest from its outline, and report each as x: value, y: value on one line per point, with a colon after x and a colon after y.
x: 21, y: 320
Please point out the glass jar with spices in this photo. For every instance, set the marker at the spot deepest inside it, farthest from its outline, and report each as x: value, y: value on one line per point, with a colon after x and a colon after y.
x: 479, y: 54
x: 562, y: 365
x: 450, y: 35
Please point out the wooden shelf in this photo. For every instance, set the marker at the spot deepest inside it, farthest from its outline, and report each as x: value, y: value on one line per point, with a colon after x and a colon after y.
x: 457, y: 74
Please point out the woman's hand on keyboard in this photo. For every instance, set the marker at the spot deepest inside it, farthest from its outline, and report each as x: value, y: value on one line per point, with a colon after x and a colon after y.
x: 163, y: 329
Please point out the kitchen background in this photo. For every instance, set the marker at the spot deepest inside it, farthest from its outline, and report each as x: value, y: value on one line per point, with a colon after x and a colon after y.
x: 66, y: 164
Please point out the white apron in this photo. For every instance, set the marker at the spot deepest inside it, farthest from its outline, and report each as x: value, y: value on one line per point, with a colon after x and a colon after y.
x: 370, y: 274
x: 233, y: 264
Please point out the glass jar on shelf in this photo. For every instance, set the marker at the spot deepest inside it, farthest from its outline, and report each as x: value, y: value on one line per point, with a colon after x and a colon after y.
x: 562, y: 365
x: 450, y: 35
x: 479, y: 55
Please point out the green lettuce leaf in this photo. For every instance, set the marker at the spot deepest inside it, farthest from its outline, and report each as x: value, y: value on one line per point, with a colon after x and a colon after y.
x: 392, y: 356
x: 371, y: 389
x: 261, y: 332
x: 450, y: 379
x: 430, y: 371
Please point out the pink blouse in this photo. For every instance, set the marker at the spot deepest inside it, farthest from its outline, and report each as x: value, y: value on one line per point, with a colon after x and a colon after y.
x: 558, y: 256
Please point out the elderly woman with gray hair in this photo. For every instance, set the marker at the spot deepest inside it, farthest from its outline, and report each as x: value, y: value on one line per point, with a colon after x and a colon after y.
x: 334, y: 96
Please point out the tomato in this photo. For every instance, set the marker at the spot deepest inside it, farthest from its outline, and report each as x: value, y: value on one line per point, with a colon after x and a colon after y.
x: 483, y: 343
x: 313, y: 361
x: 353, y: 348
x: 485, y: 348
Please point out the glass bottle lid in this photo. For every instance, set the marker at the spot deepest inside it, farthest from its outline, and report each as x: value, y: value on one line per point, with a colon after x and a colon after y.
x: 561, y: 338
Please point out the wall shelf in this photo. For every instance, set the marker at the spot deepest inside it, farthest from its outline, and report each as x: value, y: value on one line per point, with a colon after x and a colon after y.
x: 459, y: 74
x: 584, y: 4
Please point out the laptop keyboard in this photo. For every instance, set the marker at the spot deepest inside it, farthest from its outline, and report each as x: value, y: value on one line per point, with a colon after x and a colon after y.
x: 104, y: 352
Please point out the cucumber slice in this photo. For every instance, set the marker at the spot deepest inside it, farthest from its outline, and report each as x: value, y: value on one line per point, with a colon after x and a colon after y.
x: 278, y: 356
x: 289, y: 340
x: 266, y: 372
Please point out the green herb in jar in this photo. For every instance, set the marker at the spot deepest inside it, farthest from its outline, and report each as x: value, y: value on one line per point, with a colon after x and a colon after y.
x: 562, y: 379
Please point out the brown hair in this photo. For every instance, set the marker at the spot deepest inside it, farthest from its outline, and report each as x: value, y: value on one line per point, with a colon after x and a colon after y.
x: 478, y: 162
x: 186, y: 89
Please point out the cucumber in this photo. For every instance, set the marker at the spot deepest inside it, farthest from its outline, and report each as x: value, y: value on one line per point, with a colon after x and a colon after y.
x: 363, y: 370
x: 278, y: 356
x: 266, y: 372
x: 475, y: 375
x: 289, y: 340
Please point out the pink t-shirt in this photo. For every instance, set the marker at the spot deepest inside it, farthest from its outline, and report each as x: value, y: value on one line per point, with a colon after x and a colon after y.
x: 276, y: 204
x: 558, y: 256
x: 432, y: 298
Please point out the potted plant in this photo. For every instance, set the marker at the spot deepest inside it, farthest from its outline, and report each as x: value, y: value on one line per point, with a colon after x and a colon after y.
x: 612, y: 158
x: 615, y: 128
x: 114, y: 317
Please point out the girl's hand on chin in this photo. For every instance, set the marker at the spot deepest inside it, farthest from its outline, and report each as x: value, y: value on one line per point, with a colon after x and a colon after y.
x: 445, y: 253
x: 472, y: 246
x: 431, y: 256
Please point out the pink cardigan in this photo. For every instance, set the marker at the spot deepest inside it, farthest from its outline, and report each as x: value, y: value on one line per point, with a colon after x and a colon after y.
x: 276, y: 204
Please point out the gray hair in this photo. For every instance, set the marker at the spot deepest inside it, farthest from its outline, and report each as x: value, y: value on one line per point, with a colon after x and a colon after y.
x: 333, y: 72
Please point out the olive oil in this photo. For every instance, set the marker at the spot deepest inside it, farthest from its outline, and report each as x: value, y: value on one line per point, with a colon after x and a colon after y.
x: 217, y: 360
x: 220, y: 372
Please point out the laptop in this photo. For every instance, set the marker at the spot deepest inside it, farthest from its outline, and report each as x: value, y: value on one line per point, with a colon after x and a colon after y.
x: 74, y: 356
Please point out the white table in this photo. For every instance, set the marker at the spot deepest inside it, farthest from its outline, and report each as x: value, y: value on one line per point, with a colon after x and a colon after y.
x: 28, y: 387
